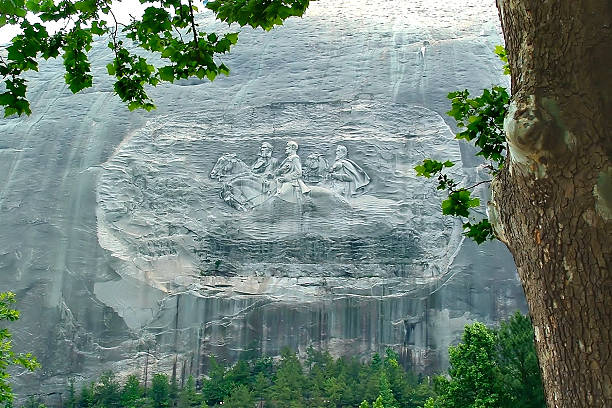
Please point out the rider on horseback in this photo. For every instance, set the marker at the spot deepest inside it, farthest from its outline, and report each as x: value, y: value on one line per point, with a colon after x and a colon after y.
x: 265, y: 164
x: 291, y: 186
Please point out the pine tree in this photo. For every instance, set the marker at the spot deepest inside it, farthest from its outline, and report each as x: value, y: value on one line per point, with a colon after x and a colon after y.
x: 386, y: 394
x: 370, y: 378
x: 160, y: 391
x: 87, y: 396
x: 364, y: 404
x: 378, y: 403
x: 71, y: 401
x: 217, y: 387
x: 131, y: 393
x: 240, y: 397
x: 188, y: 396
x: 261, y: 387
x: 288, y: 389
x: 518, y: 363
x: 334, y: 390
x: 107, y: 391
x: 239, y: 374
x: 376, y: 363
x: 396, y: 377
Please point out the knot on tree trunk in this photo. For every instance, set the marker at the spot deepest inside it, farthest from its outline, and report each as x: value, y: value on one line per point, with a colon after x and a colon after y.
x: 535, y: 134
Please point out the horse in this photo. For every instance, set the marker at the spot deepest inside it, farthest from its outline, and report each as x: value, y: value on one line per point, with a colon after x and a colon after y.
x: 229, y: 166
x: 248, y: 191
x: 315, y: 168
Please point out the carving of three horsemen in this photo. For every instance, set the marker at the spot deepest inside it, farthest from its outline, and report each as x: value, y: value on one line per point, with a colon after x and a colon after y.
x: 246, y: 187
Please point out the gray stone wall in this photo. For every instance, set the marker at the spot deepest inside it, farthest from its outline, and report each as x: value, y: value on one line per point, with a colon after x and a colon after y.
x: 124, y: 252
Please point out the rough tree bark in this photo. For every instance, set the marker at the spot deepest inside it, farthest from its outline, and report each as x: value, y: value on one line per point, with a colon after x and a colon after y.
x: 552, y: 203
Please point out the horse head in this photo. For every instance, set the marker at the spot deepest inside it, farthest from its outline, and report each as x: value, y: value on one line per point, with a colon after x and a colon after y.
x: 315, y: 167
x: 227, y: 165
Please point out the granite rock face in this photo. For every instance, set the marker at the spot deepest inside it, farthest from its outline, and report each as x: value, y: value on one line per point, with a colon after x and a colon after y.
x: 157, y: 239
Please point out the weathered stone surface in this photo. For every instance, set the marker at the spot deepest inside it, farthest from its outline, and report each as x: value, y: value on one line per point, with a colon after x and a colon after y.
x: 124, y: 254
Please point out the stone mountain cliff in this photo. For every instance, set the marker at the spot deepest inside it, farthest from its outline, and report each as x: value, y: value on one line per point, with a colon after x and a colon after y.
x: 156, y: 239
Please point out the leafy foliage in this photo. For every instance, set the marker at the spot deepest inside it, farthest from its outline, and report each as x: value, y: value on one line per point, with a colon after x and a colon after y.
x: 492, y: 368
x: 188, y: 396
x: 474, y: 372
x: 167, y: 31
x: 489, y: 368
x: 459, y: 199
x: 319, y: 382
x: 481, y: 119
x: 480, y: 231
x: 519, y: 363
x: 431, y: 167
x: 258, y: 13
x: 501, y: 53
x: 7, y: 356
x: 160, y: 391
x: 458, y: 203
x: 240, y: 397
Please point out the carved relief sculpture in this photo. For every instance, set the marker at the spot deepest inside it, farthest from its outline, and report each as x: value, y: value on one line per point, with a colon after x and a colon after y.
x: 348, y: 178
x: 315, y: 168
x: 291, y: 186
x: 245, y: 188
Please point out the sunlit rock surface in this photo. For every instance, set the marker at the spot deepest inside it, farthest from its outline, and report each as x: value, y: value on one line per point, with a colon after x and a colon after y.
x: 125, y: 253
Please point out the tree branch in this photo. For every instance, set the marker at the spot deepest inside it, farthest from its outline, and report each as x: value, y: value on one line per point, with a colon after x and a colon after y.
x: 477, y: 184
x: 193, y: 24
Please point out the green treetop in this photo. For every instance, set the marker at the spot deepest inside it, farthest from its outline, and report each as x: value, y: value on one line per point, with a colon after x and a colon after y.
x: 7, y: 356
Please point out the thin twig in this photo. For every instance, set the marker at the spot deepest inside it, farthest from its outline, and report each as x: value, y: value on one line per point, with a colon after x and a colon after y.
x: 114, y: 33
x: 477, y: 184
x: 179, y: 33
x: 193, y: 24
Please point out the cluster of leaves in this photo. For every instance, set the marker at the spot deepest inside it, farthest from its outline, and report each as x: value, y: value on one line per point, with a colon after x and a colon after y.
x: 319, y: 381
x: 7, y: 356
x: 481, y: 121
x: 459, y: 199
x: 257, y: 14
x: 167, y: 29
x: 492, y: 368
x: 501, y: 53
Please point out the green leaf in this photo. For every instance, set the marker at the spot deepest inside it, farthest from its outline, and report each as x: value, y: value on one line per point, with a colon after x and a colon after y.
x: 257, y: 13
x: 166, y: 73
x: 458, y: 203
x: 110, y: 67
x: 501, y: 53
x: 223, y: 69
x: 88, y: 6
x: 479, y: 232
x: 168, y: 52
x: 211, y: 75
x: 430, y: 168
x: 20, y: 12
x: 7, y: 99
x: 232, y: 37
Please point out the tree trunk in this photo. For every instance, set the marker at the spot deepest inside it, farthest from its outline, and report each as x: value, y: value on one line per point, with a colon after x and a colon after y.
x: 552, y: 202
